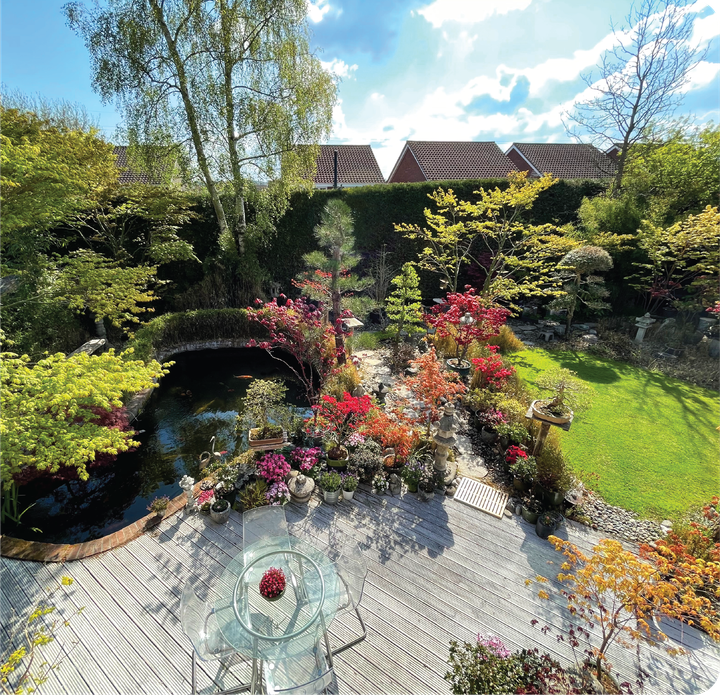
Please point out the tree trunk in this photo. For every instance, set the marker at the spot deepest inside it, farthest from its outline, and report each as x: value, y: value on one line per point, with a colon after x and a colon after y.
x: 334, y: 288
x: 191, y: 116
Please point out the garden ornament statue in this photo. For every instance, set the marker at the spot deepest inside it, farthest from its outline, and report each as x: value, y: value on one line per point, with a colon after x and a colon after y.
x: 381, y: 392
x: 301, y: 488
x: 187, y: 483
x: 444, y: 437
x: 358, y: 391
x: 643, y: 323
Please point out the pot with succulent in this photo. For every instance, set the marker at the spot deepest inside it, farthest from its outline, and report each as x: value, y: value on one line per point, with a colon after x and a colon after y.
x: 220, y: 511
x: 523, y: 471
x: 331, y: 484
x: 530, y: 509
x: 158, y: 507
x: 380, y: 484
x: 547, y: 523
x: 261, y: 411
x: 349, y: 485
x: 570, y: 395
x: 338, y: 420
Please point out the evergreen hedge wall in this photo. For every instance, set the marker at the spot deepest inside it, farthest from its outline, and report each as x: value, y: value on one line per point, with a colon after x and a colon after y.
x: 377, y: 208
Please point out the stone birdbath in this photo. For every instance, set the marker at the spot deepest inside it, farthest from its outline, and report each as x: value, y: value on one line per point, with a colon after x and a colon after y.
x: 301, y: 487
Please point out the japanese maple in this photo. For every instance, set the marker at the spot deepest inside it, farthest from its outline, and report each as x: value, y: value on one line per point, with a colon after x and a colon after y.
x: 297, y: 328
x: 431, y: 384
x: 391, y: 432
x: 465, y: 317
x: 338, y: 419
x: 491, y: 372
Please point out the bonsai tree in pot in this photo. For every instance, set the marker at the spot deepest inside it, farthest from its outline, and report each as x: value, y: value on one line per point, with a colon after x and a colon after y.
x: 261, y: 411
x: 570, y: 395
x: 463, y: 318
x: 159, y: 506
x: 338, y: 419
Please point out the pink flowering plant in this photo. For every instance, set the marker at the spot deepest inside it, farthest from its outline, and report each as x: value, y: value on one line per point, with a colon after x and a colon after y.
x: 273, y: 467
x: 305, y: 459
x: 205, y: 500
x: 272, y: 583
x: 278, y: 494
x: 490, y: 371
x: 492, y: 418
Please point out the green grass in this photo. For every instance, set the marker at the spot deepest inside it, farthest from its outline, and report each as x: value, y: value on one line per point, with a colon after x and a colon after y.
x: 651, y: 439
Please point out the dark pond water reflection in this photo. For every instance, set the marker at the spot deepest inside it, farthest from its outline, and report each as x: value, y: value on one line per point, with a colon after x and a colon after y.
x: 199, y: 399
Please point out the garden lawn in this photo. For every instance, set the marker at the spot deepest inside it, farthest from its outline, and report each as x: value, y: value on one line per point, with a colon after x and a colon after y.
x: 651, y: 439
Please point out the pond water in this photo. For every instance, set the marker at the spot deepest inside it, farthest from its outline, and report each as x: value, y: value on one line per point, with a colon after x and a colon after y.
x: 199, y: 398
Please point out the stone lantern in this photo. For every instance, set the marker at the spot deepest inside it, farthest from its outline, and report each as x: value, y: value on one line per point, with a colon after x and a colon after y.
x: 187, y: 483
x: 445, y: 439
x: 643, y: 323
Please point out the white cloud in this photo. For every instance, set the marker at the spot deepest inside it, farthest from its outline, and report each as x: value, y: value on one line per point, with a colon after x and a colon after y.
x: 376, y: 96
x: 705, y: 29
x: 703, y: 74
x: 316, y: 12
x: 468, y: 11
x: 338, y: 67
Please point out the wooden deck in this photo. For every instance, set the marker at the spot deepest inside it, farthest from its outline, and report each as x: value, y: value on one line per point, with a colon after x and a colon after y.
x: 437, y: 571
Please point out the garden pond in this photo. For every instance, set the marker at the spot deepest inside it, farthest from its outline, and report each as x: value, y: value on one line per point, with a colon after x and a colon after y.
x: 199, y: 399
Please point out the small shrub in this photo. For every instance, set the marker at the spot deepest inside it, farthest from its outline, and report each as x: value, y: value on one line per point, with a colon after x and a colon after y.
x: 330, y: 482
x: 553, y: 469
x: 507, y: 341
x: 346, y: 380
x: 159, y: 505
x: 254, y: 495
x: 401, y: 354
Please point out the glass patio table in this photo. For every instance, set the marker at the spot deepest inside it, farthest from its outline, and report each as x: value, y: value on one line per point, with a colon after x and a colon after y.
x: 285, y: 628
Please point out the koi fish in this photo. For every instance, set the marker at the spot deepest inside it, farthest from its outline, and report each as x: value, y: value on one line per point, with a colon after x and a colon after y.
x: 244, y: 376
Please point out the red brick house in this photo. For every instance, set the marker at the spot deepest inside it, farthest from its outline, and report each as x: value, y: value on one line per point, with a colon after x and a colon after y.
x: 357, y: 166
x: 444, y: 161
x: 563, y: 160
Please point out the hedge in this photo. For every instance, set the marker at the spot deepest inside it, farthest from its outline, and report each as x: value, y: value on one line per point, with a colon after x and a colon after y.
x: 170, y: 330
x: 377, y: 208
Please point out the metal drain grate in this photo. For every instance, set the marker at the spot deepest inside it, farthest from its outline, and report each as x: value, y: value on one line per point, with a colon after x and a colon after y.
x: 481, y: 496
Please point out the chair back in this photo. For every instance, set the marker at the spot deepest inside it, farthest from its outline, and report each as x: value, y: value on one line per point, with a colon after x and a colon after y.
x: 307, y: 675
x: 352, y: 568
x: 194, y: 618
x: 264, y: 523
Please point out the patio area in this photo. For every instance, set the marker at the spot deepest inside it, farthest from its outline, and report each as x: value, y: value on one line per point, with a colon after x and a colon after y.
x: 438, y: 570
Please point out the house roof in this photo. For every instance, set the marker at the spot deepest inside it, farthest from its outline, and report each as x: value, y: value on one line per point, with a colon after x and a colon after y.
x: 356, y: 165
x: 127, y: 174
x: 442, y: 161
x: 566, y: 160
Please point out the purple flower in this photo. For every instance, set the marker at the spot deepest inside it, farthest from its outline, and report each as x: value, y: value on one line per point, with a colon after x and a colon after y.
x: 277, y: 494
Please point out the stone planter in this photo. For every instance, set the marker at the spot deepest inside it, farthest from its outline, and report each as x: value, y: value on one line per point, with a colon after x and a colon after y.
x: 331, y: 497
x: 222, y: 516
x: 538, y: 413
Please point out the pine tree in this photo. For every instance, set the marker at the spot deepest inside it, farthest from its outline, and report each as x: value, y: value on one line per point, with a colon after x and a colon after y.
x: 404, y: 306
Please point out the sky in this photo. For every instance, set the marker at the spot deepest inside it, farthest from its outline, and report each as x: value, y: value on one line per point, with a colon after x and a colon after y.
x: 502, y: 70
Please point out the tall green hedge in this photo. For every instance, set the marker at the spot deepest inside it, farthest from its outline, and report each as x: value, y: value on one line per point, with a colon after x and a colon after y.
x: 377, y: 208
x: 171, y: 330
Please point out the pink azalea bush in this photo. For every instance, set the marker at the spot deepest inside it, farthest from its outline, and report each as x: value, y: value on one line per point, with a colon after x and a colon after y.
x: 273, y: 467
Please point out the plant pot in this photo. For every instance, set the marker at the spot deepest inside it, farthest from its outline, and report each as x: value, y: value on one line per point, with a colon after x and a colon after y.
x: 331, y: 497
x: 550, y: 498
x: 462, y: 367
x: 275, y: 598
x: 259, y: 443
x: 504, y: 442
x: 412, y: 487
x: 348, y: 494
x: 340, y: 463
x: 425, y: 495
x: 536, y: 407
x: 529, y: 516
x: 220, y: 517
x: 520, y: 484
x: 544, y: 530
x: 488, y: 435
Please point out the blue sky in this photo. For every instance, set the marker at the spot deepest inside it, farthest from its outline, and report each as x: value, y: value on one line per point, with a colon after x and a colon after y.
x: 501, y: 70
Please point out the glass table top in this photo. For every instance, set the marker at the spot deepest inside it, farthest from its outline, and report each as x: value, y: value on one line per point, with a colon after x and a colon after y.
x: 290, y: 626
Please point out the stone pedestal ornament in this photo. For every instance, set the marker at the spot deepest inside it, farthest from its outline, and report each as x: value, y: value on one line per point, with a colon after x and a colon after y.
x: 444, y: 437
x: 643, y: 323
x: 301, y: 487
x: 358, y: 391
